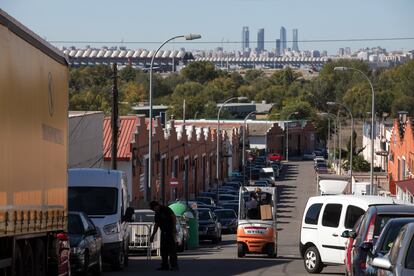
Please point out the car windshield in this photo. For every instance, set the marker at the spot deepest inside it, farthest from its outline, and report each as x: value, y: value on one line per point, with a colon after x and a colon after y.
x: 390, y: 236
x: 225, y: 214
x: 409, y: 259
x: 203, y: 215
x: 144, y: 216
x: 75, y: 225
x: 98, y: 201
x: 266, y: 174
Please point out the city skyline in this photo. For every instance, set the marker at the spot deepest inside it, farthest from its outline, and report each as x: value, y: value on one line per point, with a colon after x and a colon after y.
x: 99, y: 21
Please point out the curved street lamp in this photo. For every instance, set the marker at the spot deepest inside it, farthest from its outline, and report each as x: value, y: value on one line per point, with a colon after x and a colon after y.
x: 352, y: 137
x: 187, y: 37
x: 244, y: 145
x: 372, y: 120
x: 287, y: 134
x: 218, y: 140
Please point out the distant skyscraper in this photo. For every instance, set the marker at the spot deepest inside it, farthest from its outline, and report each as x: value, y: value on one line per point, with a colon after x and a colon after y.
x: 295, y: 45
x: 278, y: 49
x: 260, y: 40
x: 245, y: 38
x: 283, y: 38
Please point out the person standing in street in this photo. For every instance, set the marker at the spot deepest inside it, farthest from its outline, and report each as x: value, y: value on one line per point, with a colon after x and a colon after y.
x: 165, y: 220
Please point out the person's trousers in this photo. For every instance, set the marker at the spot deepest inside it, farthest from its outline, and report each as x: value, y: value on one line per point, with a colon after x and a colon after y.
x: 168, y: 250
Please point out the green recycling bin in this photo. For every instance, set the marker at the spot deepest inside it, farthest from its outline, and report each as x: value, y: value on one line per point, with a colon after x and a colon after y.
x: 181, y: 209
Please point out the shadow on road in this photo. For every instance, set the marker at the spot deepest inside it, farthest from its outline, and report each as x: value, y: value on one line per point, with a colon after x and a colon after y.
x: 216, y: 267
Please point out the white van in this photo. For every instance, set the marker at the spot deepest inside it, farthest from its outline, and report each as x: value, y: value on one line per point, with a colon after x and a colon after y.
x: 103, y: 195
x: 324, y: 220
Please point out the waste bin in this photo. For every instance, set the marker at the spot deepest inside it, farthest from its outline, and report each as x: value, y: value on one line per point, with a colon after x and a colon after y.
x: 181, y: 209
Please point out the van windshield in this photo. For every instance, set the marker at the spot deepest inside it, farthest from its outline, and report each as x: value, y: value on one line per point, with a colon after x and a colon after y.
x: 98, y: 201
x: 266, y: 174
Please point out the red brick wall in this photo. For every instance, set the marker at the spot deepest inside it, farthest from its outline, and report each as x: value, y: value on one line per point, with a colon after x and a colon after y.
x: 194, y: 148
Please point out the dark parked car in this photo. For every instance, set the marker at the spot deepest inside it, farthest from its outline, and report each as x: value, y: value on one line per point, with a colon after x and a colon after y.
x: 385, y: 240
x: 85, y: 244
x: 375, y: 219
x: 400, y: 259
x: 206, y: 200
x: 231, y: 205
x: 209, y: 228
x: 227, y: 219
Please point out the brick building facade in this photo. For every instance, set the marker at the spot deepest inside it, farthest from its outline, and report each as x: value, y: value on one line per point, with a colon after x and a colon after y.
x: 401, y: 155
x: 184, y: 160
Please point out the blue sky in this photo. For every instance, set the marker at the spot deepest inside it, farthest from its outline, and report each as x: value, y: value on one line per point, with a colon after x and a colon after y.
x: 217, y: 20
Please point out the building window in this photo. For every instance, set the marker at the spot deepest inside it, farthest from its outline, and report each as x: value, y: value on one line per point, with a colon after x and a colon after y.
x: 403, y: 169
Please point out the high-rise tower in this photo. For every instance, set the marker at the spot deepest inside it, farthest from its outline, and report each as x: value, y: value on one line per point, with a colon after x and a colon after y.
x: 245, y: 38
x: 295, y: 45
x: 283, y: 39
x: 278, y: 48
x: 260, y: 40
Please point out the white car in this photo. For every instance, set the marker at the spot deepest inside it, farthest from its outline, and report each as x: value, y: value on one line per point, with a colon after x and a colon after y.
x: 324, y: 220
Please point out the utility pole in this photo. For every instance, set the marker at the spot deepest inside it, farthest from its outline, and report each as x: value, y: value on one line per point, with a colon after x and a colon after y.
x: 114, y: 116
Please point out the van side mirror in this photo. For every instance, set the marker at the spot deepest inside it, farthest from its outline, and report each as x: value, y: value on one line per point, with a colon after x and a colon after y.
x: 346, y: 234
x: 129, y: 215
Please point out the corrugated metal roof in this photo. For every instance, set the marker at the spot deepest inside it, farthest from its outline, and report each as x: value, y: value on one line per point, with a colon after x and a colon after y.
x: 128, y: 125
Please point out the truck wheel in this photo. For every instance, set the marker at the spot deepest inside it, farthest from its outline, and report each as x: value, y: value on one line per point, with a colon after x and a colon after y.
x: 18, y: 262
x: 312, y: 260
x: 28, y: 259
x: 119, y: 261
x: 241, y: 251
x: 39, y: 258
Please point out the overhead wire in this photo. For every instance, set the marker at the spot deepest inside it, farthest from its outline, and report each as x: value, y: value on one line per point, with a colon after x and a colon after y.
x: 232, y: 42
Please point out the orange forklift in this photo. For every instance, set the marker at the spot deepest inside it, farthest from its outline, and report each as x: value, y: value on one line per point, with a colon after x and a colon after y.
x: 257, y: 223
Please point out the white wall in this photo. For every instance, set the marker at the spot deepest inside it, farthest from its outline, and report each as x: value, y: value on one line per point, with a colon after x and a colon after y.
x: 125, y: 166
x: 85, y: 139
x: 258, y: 142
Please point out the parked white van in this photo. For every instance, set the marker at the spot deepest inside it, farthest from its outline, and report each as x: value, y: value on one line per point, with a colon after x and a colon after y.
x: 324, y: 220
x: 103, y: 195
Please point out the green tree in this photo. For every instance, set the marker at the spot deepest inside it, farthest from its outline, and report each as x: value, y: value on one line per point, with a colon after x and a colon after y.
x: 304, y: 109
x: 200, y: 71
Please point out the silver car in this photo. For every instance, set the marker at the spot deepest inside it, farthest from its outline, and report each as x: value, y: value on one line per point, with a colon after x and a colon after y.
x: 400, y: 260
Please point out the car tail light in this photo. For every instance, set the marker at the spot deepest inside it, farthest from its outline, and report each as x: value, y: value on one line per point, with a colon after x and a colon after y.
x: 62, y: 236
x: 370, y: 232
x: 363, y: 265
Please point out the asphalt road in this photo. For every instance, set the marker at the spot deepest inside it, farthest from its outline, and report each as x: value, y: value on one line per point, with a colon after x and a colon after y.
x: 296, y: 186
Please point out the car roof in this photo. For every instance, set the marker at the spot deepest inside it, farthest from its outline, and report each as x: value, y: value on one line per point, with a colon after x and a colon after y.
x: 361, y: 199
x: 394, y: 209
x: 143, y: 211
x: 223, y: 210
x: 267, y: 169
x: 400, y: 220
x: 75, y: 213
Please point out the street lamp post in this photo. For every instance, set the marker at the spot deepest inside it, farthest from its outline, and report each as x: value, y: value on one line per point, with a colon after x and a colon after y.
x: 244, y: 145
x: 287, y: 134
x: 372, y: 120
x: 218, y: 141
x: 352, y: 138
x: 187, y: 37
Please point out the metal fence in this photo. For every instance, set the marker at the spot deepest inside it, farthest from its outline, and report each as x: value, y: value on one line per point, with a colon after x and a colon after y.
x: 140, y: 234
